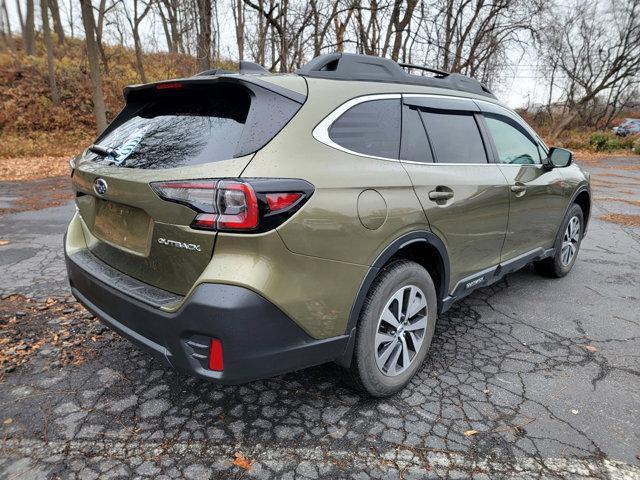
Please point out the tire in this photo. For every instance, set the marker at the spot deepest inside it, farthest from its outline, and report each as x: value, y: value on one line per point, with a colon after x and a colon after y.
x: 558, y: 266
x: 402, y: 282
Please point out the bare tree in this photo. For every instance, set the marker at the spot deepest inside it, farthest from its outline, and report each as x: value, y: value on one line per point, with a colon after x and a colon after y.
x: 94, y: 64
x: 287, y: 24
x: 5, y: 26
x: 54, y: 7
x: 169, y: 13
x: 135, y: 18
x: 102, y: 10
x: 29, y: 32
x: 239, y: 19
x: 46, y: 30
x: 596, y: 49
x: 397, y: 26
x: 20, y: 17
x: 203, y: 45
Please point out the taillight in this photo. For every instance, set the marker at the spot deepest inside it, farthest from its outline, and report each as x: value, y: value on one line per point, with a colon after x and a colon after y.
x: 280, y: 201
x: 237, y: 205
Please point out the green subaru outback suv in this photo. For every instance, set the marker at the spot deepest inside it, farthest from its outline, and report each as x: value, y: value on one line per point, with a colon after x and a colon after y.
x: 243, y: 225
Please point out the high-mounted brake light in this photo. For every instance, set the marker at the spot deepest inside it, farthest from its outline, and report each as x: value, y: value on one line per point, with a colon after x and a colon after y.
x: 169, y: 86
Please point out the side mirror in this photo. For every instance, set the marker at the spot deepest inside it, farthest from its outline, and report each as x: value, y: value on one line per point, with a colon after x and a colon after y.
x: 559, y: 157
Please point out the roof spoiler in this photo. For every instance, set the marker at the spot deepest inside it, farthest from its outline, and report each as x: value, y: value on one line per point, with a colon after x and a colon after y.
x: 245, y: 68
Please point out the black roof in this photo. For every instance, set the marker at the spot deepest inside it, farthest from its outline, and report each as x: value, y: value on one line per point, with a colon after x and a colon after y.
x: 368, y: 68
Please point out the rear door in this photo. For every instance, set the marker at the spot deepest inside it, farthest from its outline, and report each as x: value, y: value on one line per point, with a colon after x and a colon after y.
x: 536, y: 194
x: 465, y: 198
x: 187, y: 130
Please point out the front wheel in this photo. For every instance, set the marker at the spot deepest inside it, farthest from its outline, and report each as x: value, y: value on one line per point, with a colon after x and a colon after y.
x: 395, y: 329
x: 566, y: 247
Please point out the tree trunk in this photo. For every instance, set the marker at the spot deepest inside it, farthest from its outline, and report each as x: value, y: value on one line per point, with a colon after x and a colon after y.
x: 400, y: 25
x: 102, y: 9
x: 203, y: 52
x: 94, y: 64
x: 70, y: 19
x: 176, y: 35
x: 165, y: 28
x: 20, y: 17
x: 138, y: 50
x: 261, y: 57
x: 30, y: 30
x: 57, y: 23
x: 238, y: 16
x: 46, y: 31
x: 4, y: 14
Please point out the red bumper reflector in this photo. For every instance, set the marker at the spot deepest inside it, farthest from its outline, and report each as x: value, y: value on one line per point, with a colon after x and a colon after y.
x: 215, y: 355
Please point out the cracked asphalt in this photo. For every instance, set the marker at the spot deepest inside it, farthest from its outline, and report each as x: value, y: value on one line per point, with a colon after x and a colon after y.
x: 545, y: 372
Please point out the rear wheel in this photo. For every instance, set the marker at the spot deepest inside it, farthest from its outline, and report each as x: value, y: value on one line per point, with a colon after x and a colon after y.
x: 395, y: 329
x: 566, y: 247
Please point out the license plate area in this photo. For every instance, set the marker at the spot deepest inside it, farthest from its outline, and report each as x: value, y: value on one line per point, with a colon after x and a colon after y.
x: 123, y: 226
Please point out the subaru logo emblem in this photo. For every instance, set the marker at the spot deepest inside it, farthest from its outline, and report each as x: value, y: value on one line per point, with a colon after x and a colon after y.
x: 100, y: 186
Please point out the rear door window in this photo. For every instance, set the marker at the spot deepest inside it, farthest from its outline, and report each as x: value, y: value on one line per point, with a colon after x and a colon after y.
x: 415, y: 144
x: 454, y: 136
x: 370, y: 128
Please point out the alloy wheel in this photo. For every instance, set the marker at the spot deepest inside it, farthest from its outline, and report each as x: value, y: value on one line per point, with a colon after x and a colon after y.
x: 401, y: 330
x: 570, y: 241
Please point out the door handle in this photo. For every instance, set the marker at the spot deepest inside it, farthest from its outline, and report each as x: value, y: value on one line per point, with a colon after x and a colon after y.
x: 518, y: 188
x: 439, y: 195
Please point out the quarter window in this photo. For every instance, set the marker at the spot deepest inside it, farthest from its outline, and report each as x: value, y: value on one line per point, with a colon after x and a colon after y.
x: 513, y: 145
x: 370, y: 128
x: 455, y: 137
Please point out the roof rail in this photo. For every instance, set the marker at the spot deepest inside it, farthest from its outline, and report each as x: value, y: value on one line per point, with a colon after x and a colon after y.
x: 246, y: 68
x: 349, y: 66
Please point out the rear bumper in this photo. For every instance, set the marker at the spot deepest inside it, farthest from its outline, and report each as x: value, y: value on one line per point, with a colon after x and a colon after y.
x: 258, y: 339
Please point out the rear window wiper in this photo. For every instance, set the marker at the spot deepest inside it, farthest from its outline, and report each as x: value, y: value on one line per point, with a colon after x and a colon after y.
x: 109, y: 154
x: 102, y: 151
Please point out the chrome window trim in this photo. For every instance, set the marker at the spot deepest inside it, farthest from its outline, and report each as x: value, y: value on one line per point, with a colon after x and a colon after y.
x: 321, y: 130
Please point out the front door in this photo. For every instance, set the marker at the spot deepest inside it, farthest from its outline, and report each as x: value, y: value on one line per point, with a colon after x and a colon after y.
x: 465, y: 198
x: 536, y: 193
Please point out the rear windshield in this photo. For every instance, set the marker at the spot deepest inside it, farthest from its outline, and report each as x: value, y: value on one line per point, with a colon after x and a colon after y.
x: 193, y: 126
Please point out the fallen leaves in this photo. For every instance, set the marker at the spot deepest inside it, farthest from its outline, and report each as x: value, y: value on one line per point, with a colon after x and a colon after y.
x: 57, y: 329
x: 590, y: 348
x: 470, y: 433
x: 4, y: 242
x: 36, y: 194
x: 241, y: 461
x: 626, y: 220
x: 29, y: 168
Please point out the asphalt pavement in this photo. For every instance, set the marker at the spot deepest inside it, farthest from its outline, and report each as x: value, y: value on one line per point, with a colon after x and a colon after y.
x: 530, y: 378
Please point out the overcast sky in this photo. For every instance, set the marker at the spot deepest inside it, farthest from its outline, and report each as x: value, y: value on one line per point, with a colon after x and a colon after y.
x: 521, y: 84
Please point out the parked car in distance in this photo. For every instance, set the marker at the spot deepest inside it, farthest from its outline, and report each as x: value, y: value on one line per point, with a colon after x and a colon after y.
x: 630, y: 126
x: 241, y: 226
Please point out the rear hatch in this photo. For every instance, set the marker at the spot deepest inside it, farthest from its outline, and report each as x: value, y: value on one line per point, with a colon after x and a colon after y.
x: 198, y: 128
